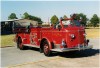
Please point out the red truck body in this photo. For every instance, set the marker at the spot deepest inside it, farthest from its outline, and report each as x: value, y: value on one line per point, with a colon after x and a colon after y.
x: 48, y: 39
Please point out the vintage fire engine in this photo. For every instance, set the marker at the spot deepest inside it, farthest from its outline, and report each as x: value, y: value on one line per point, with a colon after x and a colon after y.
x: 67, y: 35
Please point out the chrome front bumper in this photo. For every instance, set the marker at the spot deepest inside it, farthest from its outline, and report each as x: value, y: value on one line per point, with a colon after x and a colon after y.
x: 73, y: 49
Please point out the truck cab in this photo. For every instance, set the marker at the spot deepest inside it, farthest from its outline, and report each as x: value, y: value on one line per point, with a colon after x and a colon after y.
x: 67, y: 35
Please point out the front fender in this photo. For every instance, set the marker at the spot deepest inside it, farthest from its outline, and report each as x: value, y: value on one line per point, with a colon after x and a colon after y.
x: 48, y: 42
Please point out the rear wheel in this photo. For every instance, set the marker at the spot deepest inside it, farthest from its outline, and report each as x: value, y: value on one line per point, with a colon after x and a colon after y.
x: 19, y: 44
x: 46, y: 49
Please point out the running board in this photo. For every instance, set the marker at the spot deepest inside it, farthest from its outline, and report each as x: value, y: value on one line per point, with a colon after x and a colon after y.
x: 30, y: 45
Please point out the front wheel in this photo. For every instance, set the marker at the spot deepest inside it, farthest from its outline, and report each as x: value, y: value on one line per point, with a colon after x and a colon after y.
x: 46, y: 49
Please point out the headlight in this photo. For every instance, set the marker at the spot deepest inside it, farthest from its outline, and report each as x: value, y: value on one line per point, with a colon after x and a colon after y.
x: 72, y: 36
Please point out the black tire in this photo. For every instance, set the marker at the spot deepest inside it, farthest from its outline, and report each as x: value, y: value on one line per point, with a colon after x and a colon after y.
x: 46, y: 49
x: 19, y: 44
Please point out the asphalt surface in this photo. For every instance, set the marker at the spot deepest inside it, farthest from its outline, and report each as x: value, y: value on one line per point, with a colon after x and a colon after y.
x: 12, y: 56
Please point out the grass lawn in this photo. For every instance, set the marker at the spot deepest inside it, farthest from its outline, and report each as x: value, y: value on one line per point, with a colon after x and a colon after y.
x: 93, y: 33
x: 7, y: 40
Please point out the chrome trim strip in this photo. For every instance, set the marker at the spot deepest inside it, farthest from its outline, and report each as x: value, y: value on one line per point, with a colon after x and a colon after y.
x: 73, y: 49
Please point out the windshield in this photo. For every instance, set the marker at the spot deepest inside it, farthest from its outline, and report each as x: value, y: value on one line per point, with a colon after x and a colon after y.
x: 73, y: 23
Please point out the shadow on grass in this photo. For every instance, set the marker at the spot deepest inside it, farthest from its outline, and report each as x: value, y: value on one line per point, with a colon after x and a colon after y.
x: 73, y: 54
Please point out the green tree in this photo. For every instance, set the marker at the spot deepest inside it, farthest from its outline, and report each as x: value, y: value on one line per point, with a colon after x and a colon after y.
x: 30, y: 17
x: 25, y: 15
x: 54, y: 19
x: 12, y: 16
x: 95, y: 20
x: 64, y: 17
x: 35, y: 18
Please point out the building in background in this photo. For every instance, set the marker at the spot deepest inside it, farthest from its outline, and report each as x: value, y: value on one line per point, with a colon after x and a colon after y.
x: 8, y: 26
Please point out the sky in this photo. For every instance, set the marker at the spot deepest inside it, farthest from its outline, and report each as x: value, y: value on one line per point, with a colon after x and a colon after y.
x: 46, y: 9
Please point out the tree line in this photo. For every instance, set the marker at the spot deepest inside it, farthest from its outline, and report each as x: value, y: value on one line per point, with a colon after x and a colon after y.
x: 94, y: 21
x: 25, y: 16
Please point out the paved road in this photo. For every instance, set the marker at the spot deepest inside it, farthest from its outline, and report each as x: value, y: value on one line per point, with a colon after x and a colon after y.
x: 13, y: 56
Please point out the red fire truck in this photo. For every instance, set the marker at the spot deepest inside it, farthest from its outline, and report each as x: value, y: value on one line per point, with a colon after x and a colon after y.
x: 67, y: 35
